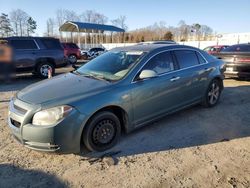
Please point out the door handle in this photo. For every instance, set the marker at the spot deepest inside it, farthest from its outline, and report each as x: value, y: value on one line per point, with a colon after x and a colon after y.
x: 174, y: 79
x: 207, y: 69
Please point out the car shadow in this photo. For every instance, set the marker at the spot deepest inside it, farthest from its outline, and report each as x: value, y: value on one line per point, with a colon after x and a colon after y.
x: 195, y: 126
x: 13, y: 176
x: 20, y: 81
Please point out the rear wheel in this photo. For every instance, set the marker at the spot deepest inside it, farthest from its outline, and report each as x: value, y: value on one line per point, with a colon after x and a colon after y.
x: 213, y: 93
x: 72, y: 59
x: 43, y: 69
x: 102, y: 132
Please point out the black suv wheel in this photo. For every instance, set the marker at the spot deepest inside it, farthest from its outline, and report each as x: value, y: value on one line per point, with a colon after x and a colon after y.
x: 72, y: 59
x: 102, y: 132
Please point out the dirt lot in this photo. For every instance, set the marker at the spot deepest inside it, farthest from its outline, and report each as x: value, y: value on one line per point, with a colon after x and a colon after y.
x: 197, y: 147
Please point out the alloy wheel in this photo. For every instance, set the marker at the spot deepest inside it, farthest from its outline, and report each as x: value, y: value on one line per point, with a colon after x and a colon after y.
x: 44, y: 70
x: 214, y: 93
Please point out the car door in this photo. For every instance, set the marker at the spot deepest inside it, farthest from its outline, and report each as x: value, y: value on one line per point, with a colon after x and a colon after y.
x: 24, y: 52
x: 193, y: 73
x: 156, y: 96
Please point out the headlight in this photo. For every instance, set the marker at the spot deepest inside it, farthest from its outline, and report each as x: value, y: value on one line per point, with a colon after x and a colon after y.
x: 51, y: 116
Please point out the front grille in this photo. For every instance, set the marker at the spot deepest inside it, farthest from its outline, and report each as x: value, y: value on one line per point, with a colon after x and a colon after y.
x: 15, y: 123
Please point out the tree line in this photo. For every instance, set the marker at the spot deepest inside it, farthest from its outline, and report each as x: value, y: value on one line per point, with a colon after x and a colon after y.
x: 20, y: 23
x: 17, y: 23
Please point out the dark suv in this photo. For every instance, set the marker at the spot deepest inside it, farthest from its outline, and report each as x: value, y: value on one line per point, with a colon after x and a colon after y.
x: 237, y: 58
x: 37, y: 54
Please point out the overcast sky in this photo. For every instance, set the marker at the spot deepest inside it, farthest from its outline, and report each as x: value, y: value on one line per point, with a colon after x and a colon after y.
x: 224, y: 16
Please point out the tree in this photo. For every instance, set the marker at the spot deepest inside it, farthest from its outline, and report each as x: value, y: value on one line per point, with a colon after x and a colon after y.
x: 5, y: 26
x: 206, y: 31
x: 121, y: 22
x: 183, y: 30
x: 92, y: 16
x: 19, y: 20
x: 196, y: 28
x: 31, y: 26
x: 142, y: 39
x: 50, y: 23
x: 168, y: 36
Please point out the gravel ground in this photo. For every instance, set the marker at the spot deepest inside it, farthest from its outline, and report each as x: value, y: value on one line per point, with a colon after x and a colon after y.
x: 197, y: 147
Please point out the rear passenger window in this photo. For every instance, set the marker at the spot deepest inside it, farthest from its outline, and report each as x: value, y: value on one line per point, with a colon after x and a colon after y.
x: 23, y: 44
x: 201, y: 59
x: 51, y: 43
x: 238, y: 48
x: 73, y: 46
x: 186, y: 58
x: 161, y: 63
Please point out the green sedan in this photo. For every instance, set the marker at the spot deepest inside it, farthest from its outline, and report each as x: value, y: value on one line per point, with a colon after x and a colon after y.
x: 121, y: 90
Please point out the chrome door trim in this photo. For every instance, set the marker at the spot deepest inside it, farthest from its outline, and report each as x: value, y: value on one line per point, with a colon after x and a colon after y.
x: 163, y: 74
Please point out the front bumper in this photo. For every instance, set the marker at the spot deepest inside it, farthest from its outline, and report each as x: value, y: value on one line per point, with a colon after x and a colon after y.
x: 64, y: 137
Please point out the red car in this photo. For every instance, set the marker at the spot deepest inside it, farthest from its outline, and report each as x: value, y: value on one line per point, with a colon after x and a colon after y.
x: 71, y: 51
x: 212, y: 50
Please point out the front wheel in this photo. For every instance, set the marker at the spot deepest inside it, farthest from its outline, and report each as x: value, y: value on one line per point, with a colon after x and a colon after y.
x: 213, y: 93
x: 102, y: 132
x: 72, y: 59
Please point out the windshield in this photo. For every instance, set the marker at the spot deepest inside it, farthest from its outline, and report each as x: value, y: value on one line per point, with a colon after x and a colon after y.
x: 111, y: 66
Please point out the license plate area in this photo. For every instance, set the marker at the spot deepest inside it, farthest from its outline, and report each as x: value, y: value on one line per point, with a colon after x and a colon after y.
x: 229, y: 69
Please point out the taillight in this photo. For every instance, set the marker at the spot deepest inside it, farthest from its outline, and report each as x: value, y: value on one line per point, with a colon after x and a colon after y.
x: 243, y: 60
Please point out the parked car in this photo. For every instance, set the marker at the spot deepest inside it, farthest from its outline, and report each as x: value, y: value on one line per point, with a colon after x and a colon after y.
x: 213, y: 50
x: 37, y: 54
x: 84, y: 54
x: 237, y: 58
x: 92, y: 52
x: 71, y: 51
x: 158, y: 42
x: 120, y: 90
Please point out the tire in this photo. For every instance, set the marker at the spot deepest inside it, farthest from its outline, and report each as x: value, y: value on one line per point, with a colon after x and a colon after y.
x: 213, y: 93
x: 102, y: 131
x: 42, y: 69
x: 72, y: 59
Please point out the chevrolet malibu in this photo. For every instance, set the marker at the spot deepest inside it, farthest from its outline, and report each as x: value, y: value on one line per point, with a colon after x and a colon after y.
x: 120, y: 90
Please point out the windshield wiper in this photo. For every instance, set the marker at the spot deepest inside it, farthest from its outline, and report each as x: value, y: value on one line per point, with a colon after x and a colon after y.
x: 97, y: 77
x: 76, y: 72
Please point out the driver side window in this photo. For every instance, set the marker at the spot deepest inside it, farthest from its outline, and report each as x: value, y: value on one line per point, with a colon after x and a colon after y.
x: 161, y: 63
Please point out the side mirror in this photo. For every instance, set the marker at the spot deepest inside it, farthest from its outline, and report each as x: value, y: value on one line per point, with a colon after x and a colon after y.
x: 147, y: 74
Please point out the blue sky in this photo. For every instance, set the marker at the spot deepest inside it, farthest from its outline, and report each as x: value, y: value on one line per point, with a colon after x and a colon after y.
x: 224, y: 16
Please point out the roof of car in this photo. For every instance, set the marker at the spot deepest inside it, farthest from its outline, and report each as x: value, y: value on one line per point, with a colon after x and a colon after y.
x: 217, y: 46
x: 242, y: 44
x: 150, y: 47
x: 68, y: 43
x: 25, y: 37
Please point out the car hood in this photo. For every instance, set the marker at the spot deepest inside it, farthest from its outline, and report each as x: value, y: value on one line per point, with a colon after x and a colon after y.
x: 62, y: 88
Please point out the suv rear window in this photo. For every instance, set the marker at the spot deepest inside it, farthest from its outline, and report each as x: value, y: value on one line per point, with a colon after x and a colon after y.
x: 23, y: 44
x: 238, y: 48
x: 71, y: 45
x: 186, y: 58
x: 96, y: 49
x: 51, y: 43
